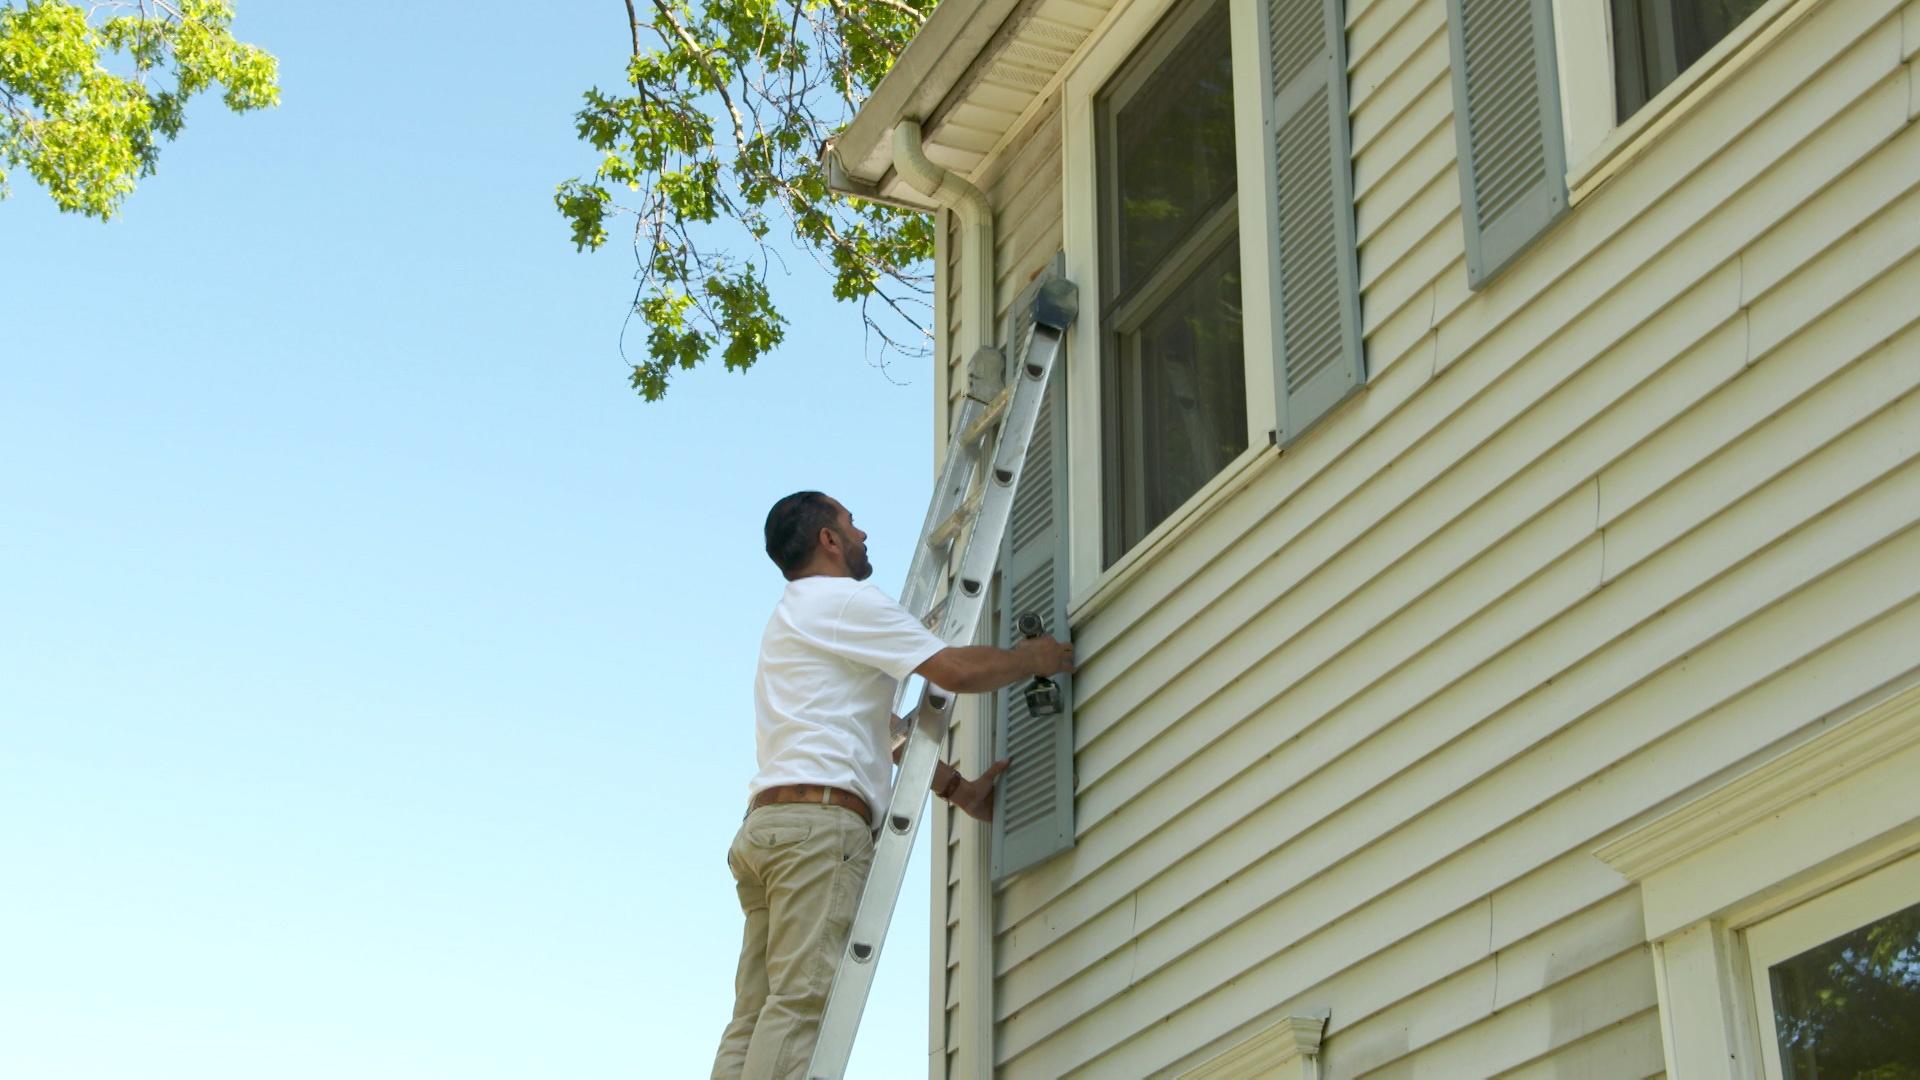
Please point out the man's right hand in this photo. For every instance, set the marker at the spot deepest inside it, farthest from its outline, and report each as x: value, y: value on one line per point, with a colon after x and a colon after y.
x: 1045, y: 655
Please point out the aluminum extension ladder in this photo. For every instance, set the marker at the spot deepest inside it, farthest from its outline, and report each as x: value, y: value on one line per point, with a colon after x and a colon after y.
x: 967, y: 518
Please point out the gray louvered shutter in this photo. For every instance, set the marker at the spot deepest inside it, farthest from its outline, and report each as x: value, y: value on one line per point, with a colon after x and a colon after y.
x: 1506, y: 99
x: 1316, y: 267
x: 1033, y: 811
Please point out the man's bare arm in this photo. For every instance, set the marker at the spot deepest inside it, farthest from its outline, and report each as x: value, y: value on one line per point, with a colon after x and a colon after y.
x: 974, y: 796
x: 974, y: 669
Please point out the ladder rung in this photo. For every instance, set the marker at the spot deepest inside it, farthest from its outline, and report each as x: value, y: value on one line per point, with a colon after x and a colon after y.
x: 989, y: 417
x: 950, y: 528
x: 935, y: 614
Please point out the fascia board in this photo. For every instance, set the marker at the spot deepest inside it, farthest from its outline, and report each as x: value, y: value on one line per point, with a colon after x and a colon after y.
x: 933, y: 63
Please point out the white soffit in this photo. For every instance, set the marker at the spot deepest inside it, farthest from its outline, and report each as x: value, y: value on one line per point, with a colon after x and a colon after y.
x: 968, y: 85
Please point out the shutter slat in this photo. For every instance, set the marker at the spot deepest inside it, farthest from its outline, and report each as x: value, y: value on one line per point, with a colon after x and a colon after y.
x: 1507, y: 123
x: 1316, y: 266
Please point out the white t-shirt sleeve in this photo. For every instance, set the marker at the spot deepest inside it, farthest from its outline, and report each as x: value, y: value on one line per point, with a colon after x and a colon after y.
x: 873, y: 629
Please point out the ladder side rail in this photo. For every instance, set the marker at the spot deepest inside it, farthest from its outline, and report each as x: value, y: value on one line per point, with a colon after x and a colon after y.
x: 1016, y: 431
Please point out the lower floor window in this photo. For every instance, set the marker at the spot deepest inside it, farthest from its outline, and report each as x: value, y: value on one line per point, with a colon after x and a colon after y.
x: 1850, y: 1007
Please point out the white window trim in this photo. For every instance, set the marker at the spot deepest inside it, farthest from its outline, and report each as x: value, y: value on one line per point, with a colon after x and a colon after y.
x: 1827, y: 812
x: 1289, y: 1049
x: 1816, y: 922
x: 1597, y: 147
x: 1112, y: 44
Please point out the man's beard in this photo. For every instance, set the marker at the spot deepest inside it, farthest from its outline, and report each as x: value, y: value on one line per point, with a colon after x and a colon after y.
x: 857, y: 564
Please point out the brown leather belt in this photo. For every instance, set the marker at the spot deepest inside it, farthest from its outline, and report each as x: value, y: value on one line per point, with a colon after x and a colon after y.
x: 810, y: 793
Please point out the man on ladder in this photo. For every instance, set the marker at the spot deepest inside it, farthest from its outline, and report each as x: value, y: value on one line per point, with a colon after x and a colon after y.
x: 831, y: 659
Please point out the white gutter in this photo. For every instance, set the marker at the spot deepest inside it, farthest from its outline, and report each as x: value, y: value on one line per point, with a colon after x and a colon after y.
x: 951, y: 191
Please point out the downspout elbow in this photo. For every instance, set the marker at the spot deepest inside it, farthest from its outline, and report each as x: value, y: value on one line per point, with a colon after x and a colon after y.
x: 952, y: 191
x: 949, y: 189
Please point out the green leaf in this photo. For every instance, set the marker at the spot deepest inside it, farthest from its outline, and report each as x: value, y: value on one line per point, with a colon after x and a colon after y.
x: 87, y: 134
x: 716, y: 135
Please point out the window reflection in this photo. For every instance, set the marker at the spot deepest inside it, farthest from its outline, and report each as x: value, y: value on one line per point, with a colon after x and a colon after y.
x: 1850, y: 1009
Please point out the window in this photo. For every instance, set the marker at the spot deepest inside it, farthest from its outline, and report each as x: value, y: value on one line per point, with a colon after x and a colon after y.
x: 1781, y: 907
x: 1655, y: 40
x: 1173, y: 375
x: 1207, y: 165
x: 1837, y: 981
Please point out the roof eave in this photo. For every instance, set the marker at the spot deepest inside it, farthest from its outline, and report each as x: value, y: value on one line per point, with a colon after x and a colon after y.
x: 860, y: 160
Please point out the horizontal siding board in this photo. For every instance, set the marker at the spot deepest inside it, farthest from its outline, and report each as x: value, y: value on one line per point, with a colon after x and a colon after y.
x: 1362, y: 985
x: 1840, y: 438
x: 1878, y: 318
x: 1667, y: 635
x: 1378, y: 109
x: 1392, y: 53
x: 1410, y: 279
x: 1591, y: 938
x: 1870, y: 252
x: 1405, y: 190
x: 1622, y: 1051
x: 1592, y: 1001
x: 1843, y: 207
x: 1575, y: 943
x: 1369, y: 21
x: 1390, y: 230
x: 1405, y: 335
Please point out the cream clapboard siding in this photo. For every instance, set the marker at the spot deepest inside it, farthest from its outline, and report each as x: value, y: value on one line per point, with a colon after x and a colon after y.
x: 1640, y: 511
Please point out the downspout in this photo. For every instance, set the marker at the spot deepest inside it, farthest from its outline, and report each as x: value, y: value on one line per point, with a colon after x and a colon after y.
x: 953, y: 192
x: 986, y: 371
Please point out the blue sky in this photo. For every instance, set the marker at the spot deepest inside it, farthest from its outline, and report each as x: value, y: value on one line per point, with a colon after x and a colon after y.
x: 374, y: 666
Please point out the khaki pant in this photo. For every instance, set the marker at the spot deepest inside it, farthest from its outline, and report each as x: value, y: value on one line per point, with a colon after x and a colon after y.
x: 798, y: 869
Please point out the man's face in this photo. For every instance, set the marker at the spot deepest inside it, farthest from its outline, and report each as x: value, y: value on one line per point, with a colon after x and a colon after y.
x: 853, y: 545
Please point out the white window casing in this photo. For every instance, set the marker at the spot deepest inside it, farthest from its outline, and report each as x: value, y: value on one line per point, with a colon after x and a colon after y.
x: 1288, y: 1049
x: 1110, y: 47
x: 1598, y: 145
x: 1713, y: 870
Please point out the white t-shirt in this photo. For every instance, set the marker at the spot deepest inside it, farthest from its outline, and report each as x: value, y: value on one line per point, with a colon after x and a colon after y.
x: 831, y: 658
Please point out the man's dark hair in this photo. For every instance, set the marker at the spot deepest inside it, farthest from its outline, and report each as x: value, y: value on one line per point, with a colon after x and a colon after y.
x: 793, y: 528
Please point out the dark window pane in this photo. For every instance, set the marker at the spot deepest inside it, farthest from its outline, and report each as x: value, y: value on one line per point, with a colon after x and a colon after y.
x: 1850, y: 1009
x: 1655, y: 40
x: 1172, y: 148
x: 1183, y: 397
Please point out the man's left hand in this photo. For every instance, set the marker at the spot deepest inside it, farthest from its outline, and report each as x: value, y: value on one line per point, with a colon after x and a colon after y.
x: 975, y: 797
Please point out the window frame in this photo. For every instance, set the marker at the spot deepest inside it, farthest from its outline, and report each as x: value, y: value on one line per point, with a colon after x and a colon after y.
x: 1802, y: 825
x: 1598, y: 143
x: 1819, y: 920
x: 1090, y: 581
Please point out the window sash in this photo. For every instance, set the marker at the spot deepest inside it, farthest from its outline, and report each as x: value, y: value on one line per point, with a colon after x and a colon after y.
x: 1655, y: 40
x: 1126, y: 311
x: 1808, y: 925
